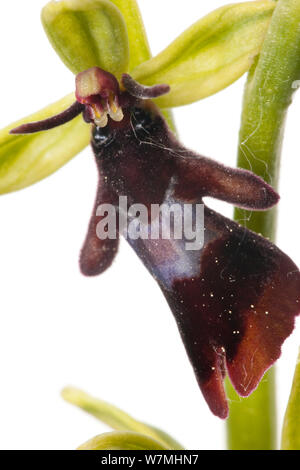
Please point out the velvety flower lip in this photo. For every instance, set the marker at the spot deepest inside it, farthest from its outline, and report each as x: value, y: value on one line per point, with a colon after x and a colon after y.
x: 234, y: 300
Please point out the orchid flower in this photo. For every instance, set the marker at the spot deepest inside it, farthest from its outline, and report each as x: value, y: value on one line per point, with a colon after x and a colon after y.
x: 234, y: 299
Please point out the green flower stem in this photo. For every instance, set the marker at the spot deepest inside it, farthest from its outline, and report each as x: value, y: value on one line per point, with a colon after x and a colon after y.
x: 252, y: 422
x: 291, y: 425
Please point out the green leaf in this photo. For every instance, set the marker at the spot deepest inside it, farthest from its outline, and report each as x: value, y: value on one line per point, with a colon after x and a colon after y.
x: 26, y: 159
x: 116, y: 418
x: 291, y: 425
x: 87, y: 33
x: 122, y: 441
x: 210, y: 55
x: 138, y: 42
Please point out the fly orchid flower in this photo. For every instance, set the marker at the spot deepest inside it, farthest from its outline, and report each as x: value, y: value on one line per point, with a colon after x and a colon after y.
x: 236, y: 298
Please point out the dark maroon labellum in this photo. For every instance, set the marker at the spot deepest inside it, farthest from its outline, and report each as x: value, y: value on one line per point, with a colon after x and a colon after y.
x: 236, y: 298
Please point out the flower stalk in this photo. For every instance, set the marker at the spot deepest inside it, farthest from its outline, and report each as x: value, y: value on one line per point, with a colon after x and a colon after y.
x: 268, y: 94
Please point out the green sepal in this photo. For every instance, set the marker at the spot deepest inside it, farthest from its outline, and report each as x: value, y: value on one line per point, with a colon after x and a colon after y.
x: 210, y: 55
x: 138, y: 41
x: 26, y: 159
x: 122, y: 441
x: 116, y: 418
x: 87, y: 33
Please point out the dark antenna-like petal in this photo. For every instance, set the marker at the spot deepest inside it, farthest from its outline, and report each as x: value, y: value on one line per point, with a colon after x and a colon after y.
x: 62, y: 118
x: 141, y: 91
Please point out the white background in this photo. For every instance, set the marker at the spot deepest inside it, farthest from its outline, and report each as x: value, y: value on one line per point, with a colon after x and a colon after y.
x: 113, y: 336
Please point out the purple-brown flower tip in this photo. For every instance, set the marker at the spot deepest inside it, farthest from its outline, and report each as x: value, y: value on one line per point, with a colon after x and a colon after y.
x: 99, y: 98
x: 99, y: 91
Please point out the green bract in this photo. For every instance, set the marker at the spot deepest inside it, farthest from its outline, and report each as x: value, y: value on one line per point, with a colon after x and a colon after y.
x: 210, y: 55
x: 26, y: 159
x: 118, y: 420
x: 87, y: 33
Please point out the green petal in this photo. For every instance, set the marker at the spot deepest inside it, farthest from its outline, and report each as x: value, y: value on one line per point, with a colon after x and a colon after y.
x: 210, y: 55
x: 138, y: 42
x: 87, y: 33
x: 291, y: 425
x: 122, y: 441
x: 26, y: 159
x: 116, y: 418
